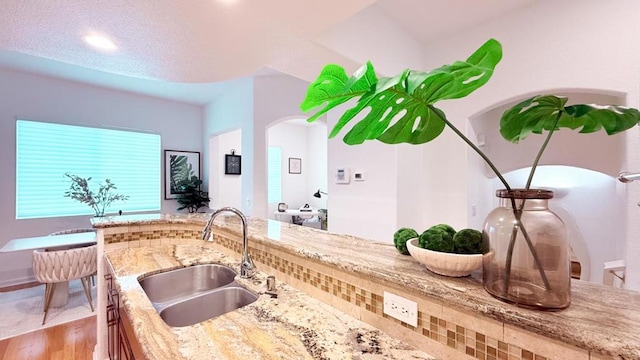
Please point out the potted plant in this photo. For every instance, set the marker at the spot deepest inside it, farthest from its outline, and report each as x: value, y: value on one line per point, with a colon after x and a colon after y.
x: 190, y: 196
x: 410, y: 99
x: 79, y: 190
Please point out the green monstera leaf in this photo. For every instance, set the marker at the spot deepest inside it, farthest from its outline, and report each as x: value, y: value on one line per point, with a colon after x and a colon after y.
x: 406, y: 100
x: 541, y: 112
x: 333, y: 87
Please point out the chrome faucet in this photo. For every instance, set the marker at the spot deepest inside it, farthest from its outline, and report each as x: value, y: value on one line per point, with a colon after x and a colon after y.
x: 247, y: 267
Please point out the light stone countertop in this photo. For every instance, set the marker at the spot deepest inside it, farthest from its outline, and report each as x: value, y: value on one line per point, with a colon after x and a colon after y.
x: 290, y: 327
x: 600, y: 318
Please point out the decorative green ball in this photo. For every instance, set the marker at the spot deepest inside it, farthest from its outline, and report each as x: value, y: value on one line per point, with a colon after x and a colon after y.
x: 448, y: 228
x: 468, y: 241
x: 437, y: 238
x: 401, y: 237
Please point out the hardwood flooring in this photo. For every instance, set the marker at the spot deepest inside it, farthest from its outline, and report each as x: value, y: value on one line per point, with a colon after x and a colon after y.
x: 20, y: 286
x: 71, y: 341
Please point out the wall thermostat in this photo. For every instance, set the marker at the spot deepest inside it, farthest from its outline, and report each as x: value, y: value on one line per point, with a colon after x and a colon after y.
x: 343, y: 175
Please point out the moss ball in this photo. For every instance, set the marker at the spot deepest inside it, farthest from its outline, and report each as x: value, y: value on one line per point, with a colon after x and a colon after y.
x: 448, y: 228
x: 401, y: 237
x: 468, y: 241
x: 436, y: 238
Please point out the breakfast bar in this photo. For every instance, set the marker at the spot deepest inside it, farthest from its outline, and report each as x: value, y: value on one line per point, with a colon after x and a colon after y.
x: 340, y: 281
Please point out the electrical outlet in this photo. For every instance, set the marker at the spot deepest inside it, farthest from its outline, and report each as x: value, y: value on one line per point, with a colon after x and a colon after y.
x: 400, y: 308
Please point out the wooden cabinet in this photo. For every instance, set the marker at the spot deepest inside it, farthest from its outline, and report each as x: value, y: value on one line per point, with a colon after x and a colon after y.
x: 121, y: 343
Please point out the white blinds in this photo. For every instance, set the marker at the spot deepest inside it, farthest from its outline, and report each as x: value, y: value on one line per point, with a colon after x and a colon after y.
x: 46, y: 151
x: 274, y: 174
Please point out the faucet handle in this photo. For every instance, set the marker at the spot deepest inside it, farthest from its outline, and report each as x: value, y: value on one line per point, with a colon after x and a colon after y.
x: 247, y: 267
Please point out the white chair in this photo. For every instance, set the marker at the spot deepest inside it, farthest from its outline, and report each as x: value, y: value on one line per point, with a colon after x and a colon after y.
x: 76, y: 231
x: 72, y: 231
x: 52, y: 267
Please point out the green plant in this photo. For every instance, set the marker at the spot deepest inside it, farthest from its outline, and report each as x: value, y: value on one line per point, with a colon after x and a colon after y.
x: 190, y: 196
x: 79, y: 190
x: 467, y: 241
x: 437, y: 238
x: 402, y: 109
x: 400, y: 238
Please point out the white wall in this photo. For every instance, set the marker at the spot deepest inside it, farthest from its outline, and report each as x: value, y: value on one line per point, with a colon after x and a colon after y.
x: 371, y: 36
x: 391, y: 195
x: 308, y: 143
x: 548, y: 45
x: 317, y: 155
x: 275, y: 98
x: 252, y: 104
x: 292, y: 140
x: 231, y: 111
x: 35, y: 97
x: 224, y: 190
x: 366, y: 209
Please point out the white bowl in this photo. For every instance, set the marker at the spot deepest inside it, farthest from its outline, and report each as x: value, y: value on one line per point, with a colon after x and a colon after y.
x: 455, y: 265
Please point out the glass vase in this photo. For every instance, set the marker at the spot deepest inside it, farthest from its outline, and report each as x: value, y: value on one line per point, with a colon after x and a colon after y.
x: 526, y: 262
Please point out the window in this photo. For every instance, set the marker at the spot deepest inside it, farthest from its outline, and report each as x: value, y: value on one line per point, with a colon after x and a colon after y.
x: 46, y: 151
x: 274, y: 174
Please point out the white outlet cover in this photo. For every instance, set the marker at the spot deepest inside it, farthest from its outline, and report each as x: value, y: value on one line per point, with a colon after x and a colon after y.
x: 400, y: 308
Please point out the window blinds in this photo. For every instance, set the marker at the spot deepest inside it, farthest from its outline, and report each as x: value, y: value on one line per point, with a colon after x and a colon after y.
x: 46, y: 151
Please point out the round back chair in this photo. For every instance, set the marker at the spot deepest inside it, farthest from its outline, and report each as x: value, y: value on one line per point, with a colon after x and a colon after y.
x: 51, y: 267
x: 72, y: 231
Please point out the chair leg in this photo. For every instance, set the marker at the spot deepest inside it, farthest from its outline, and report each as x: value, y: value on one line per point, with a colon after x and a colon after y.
x: 86, y: 284
x: 48, y: 294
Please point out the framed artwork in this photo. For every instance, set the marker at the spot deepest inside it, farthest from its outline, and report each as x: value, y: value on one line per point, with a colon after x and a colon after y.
x: 179, y: 166
x: 295, y: 166
x: 232, y: 164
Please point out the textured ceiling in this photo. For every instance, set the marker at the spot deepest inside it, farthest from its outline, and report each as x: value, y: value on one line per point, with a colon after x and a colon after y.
x: 180, y: 41
x: 428, y: 20
x: 182, y: 49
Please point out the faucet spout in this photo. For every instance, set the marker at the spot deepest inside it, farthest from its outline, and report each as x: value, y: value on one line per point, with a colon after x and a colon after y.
x: 247, y: 267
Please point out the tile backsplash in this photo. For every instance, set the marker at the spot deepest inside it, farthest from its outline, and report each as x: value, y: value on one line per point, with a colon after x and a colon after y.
x: 443, y: 331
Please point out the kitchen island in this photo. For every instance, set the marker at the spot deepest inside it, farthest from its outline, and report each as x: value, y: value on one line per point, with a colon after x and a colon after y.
x: 456, y: 317
x: 290, y: 326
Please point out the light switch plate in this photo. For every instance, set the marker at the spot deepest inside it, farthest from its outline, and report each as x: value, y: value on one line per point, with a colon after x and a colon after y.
x: 343, y: 175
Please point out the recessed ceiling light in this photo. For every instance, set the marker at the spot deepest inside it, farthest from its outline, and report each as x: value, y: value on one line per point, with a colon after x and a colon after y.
x: 100, y: 42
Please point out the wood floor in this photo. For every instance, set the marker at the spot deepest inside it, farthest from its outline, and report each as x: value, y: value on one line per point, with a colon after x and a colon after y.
x: 70, y: 341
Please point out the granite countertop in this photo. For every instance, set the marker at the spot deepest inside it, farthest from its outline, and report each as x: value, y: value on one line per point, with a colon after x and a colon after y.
x: 600, y: 318
x: 292, y: 326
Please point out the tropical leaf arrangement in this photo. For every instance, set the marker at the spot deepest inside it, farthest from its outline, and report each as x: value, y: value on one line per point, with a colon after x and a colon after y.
x: 79, y: 190
x: 403, y: 109
x: 180, y: 171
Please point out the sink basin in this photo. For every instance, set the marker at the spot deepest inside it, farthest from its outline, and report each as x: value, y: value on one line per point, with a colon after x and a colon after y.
x: 174, y: 285
x: 206, y: 306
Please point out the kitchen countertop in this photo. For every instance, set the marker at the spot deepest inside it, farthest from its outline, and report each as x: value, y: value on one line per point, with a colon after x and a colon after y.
x: 292, y: 326
x: 600, y: 318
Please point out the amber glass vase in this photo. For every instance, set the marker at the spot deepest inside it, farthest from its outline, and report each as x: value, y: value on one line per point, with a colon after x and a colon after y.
x: 526, y: 260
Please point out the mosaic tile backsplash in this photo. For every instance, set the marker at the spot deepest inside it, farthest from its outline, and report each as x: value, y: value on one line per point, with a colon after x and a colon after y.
x: 468, y: 343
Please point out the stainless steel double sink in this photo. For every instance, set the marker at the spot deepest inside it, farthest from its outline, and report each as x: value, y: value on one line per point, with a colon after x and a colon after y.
x: 190, y: 295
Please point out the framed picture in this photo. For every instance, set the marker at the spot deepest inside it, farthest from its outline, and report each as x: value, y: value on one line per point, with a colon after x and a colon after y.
x: 232, y: 164
x: 295, y: 166
x: 179, y: 166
